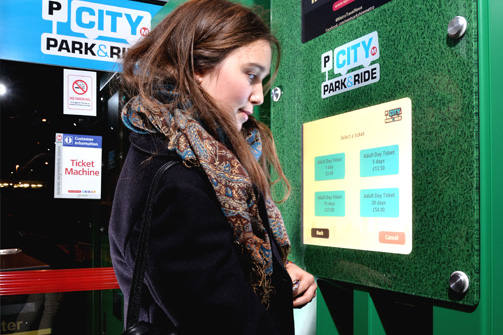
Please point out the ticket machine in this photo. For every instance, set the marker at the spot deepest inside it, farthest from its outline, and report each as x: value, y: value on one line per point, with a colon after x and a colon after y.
x: 386, y: 117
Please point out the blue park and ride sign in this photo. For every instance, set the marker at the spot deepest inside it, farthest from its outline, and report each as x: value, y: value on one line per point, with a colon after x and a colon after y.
x: 82, y: 34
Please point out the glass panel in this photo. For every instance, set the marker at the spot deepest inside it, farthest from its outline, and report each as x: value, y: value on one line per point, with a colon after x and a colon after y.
x: 61, y: 313
x: 51, y: 233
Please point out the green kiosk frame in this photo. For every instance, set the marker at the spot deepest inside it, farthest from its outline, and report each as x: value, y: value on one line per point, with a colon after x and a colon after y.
x: 449, y: 70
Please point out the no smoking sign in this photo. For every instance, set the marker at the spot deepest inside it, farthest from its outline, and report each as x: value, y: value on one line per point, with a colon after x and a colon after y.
x: 80, y: 87
x: 79, y: 96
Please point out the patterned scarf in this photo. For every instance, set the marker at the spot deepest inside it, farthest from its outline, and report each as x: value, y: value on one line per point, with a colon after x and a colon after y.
x: 229, y: 179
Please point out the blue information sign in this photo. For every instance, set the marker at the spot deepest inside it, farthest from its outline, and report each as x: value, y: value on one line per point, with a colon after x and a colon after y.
x: 85, y: 141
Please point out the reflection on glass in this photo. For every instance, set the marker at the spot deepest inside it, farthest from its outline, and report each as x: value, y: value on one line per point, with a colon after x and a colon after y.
x: 61, y: 233
x: 60, y: 313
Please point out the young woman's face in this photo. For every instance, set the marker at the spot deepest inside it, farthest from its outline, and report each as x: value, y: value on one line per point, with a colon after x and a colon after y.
x: 236, y: 83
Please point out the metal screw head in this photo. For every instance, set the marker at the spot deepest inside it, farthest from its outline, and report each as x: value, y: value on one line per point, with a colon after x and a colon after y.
x: 276, y: 94
x: 459, y: 282
x: 457, y: 27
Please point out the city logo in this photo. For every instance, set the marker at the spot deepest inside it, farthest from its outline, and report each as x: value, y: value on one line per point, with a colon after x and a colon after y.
x: 393, y: 115
x: 118, y: 27
x: 357, y: 53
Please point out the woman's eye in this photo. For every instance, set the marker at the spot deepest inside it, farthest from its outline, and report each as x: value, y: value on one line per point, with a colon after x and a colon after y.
x: 252, y: 76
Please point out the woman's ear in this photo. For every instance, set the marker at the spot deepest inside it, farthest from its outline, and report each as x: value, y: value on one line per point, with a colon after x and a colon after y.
x: 199, y: 78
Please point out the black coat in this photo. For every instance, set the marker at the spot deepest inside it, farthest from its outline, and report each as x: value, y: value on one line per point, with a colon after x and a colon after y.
x: 193, y: 270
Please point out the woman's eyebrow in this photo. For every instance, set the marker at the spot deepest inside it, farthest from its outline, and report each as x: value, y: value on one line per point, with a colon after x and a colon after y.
x: 258, y: 67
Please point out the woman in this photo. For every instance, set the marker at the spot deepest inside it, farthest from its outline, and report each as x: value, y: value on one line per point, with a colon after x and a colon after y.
x: 217, y: 257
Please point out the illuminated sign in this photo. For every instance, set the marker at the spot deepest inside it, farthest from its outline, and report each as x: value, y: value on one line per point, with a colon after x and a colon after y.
x: 93, y: 20
x: 84, y: 34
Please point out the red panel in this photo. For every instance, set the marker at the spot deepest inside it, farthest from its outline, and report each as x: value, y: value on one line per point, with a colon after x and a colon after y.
x: 46, y: 281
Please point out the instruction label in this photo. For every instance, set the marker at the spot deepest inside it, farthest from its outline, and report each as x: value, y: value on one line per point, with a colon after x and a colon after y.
x: 357, y: 179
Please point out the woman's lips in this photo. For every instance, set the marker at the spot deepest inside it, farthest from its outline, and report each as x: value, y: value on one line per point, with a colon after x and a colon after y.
x: 245, y: 114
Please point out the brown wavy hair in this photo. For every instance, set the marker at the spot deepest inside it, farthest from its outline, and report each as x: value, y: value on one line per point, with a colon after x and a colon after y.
x: 196, y: 37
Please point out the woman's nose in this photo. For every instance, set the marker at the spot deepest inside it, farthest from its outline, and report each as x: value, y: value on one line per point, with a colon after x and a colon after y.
x: 257, y: 96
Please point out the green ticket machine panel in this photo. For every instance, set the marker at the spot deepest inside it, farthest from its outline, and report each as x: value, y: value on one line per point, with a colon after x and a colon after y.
x: 380, y: 100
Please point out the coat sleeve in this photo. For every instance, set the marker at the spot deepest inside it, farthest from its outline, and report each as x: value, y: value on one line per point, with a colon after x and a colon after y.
x: 193, y: 270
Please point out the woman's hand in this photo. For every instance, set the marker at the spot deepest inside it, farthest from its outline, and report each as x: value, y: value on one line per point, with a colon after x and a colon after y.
x: 306, y: 285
